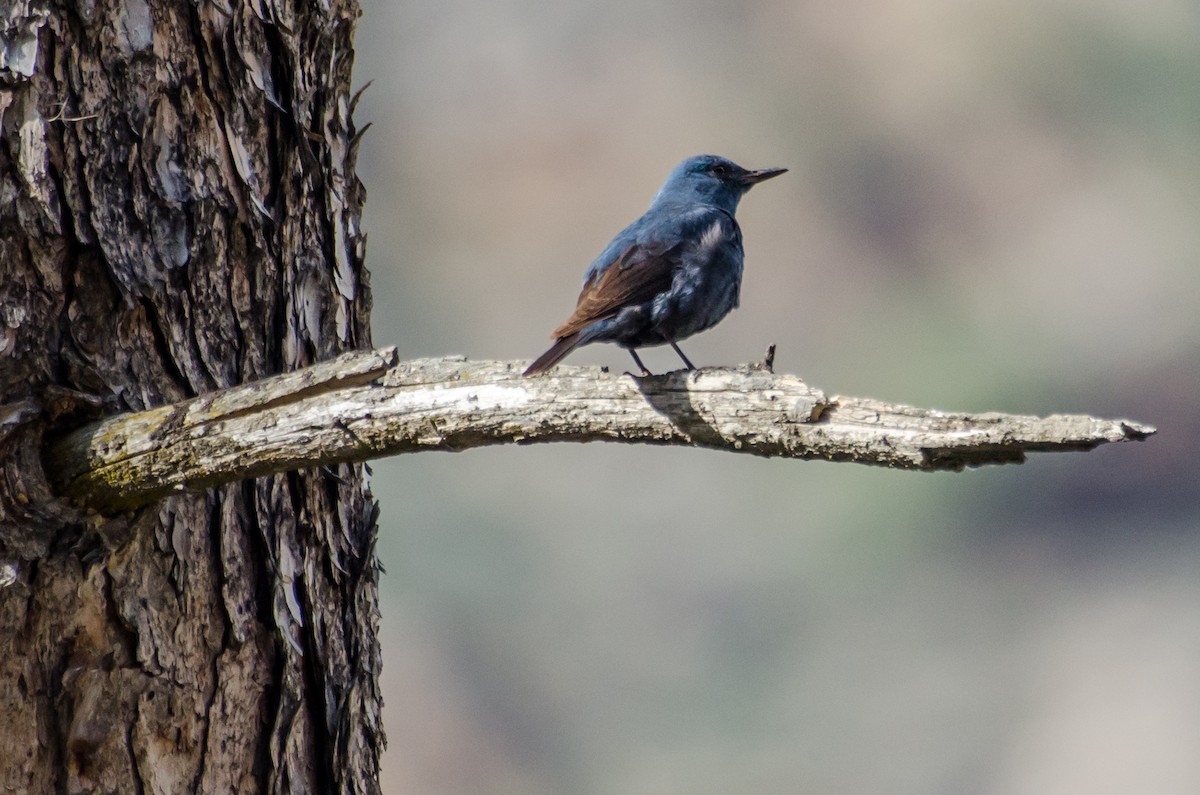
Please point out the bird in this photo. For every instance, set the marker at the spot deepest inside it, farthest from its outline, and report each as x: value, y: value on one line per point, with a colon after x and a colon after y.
x: 672, y: 273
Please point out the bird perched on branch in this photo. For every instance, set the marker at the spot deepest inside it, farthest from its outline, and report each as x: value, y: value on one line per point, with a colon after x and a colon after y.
x: 672, y: 273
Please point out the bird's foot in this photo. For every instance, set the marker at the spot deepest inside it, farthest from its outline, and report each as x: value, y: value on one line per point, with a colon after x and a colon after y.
x: 638, y: 361
x: 686, y: 362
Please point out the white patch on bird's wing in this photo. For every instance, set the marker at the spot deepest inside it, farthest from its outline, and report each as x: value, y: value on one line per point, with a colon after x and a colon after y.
x: 713, y: 236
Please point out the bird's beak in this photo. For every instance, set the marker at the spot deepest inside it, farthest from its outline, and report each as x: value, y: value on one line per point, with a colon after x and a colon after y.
x: 755, y: 177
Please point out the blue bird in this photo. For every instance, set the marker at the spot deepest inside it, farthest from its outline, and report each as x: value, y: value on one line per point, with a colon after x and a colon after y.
x: 672, y: 273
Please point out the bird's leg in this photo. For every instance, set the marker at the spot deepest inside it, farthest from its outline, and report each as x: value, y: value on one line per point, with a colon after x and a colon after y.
x: 690, y: 366
x: 641, y: 366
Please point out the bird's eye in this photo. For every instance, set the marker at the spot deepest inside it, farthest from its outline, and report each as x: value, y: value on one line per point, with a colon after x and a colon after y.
x: 720, y: 169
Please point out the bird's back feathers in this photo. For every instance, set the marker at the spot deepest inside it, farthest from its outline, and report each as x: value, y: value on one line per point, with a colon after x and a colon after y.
x: 639, y: 274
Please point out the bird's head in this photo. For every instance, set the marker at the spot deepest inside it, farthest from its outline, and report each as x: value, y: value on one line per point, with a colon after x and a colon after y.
x: 709, y: 179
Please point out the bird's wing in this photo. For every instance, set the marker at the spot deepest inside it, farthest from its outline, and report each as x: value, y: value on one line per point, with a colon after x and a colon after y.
x: 640, y: 272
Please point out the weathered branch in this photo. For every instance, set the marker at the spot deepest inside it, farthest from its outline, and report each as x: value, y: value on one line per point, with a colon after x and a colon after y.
x: 367, y: 404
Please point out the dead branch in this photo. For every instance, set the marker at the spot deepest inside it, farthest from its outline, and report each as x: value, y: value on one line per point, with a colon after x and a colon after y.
x: 367, y: 404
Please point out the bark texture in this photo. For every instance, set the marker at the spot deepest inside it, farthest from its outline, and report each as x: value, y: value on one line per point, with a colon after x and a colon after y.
x: 179, y: 213
x: 367, y: 404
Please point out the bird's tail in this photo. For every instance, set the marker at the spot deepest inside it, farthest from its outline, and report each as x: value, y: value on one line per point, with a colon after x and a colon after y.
x: 557, y: 352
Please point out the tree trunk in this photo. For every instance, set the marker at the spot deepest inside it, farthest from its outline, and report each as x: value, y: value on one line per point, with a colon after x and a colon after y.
x: 180, y: 213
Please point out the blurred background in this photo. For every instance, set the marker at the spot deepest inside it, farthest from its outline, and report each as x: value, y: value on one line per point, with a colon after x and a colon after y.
x: 991, y: 206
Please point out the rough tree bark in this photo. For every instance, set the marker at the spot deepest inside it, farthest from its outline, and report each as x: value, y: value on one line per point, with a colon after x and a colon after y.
x: 178, y: 214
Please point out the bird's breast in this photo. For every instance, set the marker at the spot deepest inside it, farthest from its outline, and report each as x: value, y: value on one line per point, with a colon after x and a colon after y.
x: 703, y: 292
